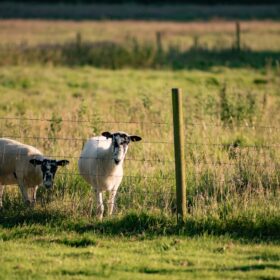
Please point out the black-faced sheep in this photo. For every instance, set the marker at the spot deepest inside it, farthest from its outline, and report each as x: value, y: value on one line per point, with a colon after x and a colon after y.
x: 26, y: 166
x: 101, y: 165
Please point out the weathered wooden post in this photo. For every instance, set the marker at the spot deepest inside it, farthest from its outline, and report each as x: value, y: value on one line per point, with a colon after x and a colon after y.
x: 178, y: 128
x: 238, y: 42
x: 159, y: 42
x: 78, y: 41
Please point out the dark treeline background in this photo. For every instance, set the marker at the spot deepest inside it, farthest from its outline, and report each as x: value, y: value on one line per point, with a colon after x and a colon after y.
x: 173, y: 10
x: 149, y: 2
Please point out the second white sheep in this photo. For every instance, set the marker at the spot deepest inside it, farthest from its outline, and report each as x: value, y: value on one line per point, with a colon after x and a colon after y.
x: 101, y: 165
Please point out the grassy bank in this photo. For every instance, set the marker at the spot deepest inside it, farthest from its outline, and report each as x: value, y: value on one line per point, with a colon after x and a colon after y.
x: 231, y: 141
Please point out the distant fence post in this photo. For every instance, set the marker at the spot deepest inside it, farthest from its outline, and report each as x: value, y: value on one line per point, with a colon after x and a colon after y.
x: 159, y: 42
x: 238, y: 42
x: 78, y: 40
x: 178, y: 129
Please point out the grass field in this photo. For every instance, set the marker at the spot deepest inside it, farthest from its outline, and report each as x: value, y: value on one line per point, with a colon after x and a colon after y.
x: 232, y: 160
x: 68, y: 255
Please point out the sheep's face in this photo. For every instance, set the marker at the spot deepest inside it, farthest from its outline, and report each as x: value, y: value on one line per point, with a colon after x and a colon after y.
x: 120, y: 147
x: 120, y: 141
x: 48, y: 168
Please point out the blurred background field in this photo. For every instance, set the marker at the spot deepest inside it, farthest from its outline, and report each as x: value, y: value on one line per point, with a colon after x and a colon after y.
x: 220, y: 33
x: 140, y: 44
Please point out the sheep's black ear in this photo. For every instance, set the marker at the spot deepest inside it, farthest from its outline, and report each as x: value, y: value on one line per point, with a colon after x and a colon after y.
x: 35, y: 161
x: 135, y: 138
x: 62, y: 162
x: 107, y: 134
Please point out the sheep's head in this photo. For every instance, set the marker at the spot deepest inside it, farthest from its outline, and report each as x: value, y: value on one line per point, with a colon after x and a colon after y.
x: 120, y: 141
x: 49, y: 168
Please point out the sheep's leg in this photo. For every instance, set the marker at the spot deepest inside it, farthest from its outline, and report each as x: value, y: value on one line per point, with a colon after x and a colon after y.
x: 100, y: 206
x: 111, y: 201
x: 24, y: 193
x: 2, y: 187
x: 33, y: 195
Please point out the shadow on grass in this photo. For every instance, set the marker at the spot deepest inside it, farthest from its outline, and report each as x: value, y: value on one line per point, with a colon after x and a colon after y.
x: 25, y: 216
x: 146, y: 224
x: 135, y: 55
x: 255, y: 267
x: 205, y: 59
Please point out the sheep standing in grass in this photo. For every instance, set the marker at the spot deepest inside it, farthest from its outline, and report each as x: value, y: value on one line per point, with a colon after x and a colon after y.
x: 26, y: 166
x: 101, y: 165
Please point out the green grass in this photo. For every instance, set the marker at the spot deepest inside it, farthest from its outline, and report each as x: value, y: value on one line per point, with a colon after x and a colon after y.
x: 44, y: 244
x: 48, y: 252
x: 230, y: 115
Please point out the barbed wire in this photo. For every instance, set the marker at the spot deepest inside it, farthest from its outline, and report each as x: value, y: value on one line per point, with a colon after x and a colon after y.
x: 117, y: 176
x: 75, y: 139
x: 46, y: 156
x: 233, y: 146
x: 227, y: 145
x: 82, y: 121
x: 237, y: 163
x: 56, y: 156
x: 137, y: 185
x: 234, y: 126
x: 250, y: 126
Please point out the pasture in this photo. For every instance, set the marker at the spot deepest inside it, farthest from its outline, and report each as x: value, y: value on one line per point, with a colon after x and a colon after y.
x: 232, y: 157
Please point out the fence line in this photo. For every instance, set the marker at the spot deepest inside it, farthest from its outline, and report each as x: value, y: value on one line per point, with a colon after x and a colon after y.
x: 233, y: 164
x: 98, y: 158
x: 75, y: 139
x: 75, y: 173
x: 229, y: 145
x: 82, y: 121
x: 137, y: 122
x: 142, y: 179
x: 210, y: 172
x: 233, y: 146
x: 234, y: 126
x: 124, y: 176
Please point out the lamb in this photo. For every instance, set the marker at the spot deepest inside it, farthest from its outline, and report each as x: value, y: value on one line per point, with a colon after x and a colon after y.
x: 26, y: 166
x: 101, y: 165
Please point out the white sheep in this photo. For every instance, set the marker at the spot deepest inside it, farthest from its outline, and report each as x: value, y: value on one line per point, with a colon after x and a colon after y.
x: 26, y: 166
x: 101, y: 165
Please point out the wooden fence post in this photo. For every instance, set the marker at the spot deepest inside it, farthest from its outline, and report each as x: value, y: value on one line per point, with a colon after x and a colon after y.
x: 178, y: 128
x: 238, y: 42
x: 159, y: 43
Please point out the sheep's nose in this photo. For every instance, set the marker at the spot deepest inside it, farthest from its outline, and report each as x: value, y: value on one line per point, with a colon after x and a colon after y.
x: 48, y: 184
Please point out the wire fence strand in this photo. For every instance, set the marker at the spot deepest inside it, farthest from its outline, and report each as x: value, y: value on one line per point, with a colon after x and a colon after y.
x: 82, y: 121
